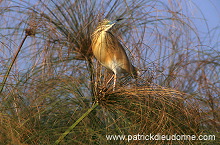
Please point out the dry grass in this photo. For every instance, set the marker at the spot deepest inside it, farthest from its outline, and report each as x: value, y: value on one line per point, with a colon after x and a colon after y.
x: 51, y: 80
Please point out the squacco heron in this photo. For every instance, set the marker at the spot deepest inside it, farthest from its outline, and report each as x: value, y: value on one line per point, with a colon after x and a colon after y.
x: 109, y: 52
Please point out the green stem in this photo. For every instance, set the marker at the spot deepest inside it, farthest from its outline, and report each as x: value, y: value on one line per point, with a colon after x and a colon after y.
x: 12, y: 63
x: 74, y: 125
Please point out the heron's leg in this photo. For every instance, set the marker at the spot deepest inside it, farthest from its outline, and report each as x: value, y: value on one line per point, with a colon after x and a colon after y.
x: 115, y: 78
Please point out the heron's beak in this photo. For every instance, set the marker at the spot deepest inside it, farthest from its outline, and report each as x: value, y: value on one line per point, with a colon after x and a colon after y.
x: 111, y: 24
x: 115, y: 21
x: 119, y: 19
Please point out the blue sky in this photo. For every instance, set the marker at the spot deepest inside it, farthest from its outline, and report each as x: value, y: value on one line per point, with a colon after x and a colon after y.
x: 207, y: 17
x: 210, y: 11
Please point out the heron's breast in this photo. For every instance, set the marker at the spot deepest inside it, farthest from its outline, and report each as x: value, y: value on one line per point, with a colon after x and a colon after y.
x: 101, y: 49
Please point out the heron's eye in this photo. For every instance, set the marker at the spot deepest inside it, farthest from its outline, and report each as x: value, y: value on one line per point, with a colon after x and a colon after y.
x: 108, y: 23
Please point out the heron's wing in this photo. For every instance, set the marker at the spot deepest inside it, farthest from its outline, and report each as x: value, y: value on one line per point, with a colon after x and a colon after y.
x: 117, y: 51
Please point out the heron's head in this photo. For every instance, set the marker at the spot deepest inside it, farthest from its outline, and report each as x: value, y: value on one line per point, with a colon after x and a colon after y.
x: 105, y: 25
